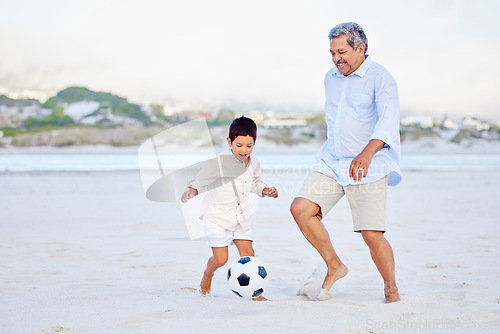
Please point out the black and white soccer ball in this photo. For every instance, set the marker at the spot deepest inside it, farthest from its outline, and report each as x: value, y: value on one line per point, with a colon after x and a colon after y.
x: 247, y: 277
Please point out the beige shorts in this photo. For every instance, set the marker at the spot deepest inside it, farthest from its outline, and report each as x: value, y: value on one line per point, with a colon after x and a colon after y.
x: 367, y: 201
x: 217, y: 236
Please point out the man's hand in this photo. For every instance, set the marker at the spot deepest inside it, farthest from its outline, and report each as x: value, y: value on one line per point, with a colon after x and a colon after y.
x: 360, y: 164
x: 188, y: 194
x: 270, y: 192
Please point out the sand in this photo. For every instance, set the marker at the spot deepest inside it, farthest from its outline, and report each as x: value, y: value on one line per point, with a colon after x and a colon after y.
x: 88, y: 253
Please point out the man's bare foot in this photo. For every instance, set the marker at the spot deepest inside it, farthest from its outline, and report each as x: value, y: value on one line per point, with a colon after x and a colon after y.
x: 206, y: 283
x: 333, y: 275
x: 391, y: 293
x: 323, y: 295
x: 260, y: 299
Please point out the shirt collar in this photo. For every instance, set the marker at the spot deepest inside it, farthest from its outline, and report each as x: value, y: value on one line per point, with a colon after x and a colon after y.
x: 234, y: 158
x: 360, y: 71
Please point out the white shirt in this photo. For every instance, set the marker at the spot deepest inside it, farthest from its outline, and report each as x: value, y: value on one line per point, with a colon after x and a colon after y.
x: 229, y: 183
x: 361, y: 107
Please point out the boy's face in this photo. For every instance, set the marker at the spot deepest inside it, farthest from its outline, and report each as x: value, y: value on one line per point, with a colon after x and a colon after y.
x: 241, y: 146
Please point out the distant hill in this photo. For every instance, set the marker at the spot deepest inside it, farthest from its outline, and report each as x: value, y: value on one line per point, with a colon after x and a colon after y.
x: 119, y: 105
x: 76, y: 94
x: 5, y: 100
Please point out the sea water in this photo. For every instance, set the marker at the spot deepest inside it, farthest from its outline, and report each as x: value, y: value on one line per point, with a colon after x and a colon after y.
x: 89, y: 162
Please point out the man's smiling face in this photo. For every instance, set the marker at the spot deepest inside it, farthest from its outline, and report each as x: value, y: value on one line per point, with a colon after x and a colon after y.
x: 344, y: 56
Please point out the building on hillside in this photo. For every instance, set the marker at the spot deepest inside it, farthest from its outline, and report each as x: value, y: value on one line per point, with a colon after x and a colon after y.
x: 449, y: 124
x: 105, y: 117
x: 283, y: 123
x: 473, y: 123
x: 425, y: 122
x: 14, y: 114
x: 78, y: 110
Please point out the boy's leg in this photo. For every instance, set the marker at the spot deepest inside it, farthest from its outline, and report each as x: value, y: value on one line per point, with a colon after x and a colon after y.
x: 245, y: 248
x: 219, y: 258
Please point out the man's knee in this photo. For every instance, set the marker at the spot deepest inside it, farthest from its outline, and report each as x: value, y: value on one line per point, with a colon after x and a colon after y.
x: 295, y: 208
x: 372, y: 237
x: 302, y: 208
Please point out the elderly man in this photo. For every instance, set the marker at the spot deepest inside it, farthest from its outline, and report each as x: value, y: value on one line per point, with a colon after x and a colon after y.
x: 359, y: 159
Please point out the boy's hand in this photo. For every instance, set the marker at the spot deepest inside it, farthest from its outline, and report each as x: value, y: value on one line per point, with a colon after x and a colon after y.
x: 188, y: 194
x: 270, y: 192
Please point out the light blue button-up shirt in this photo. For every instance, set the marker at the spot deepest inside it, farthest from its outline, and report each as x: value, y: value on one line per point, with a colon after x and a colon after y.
x: 361, y: 107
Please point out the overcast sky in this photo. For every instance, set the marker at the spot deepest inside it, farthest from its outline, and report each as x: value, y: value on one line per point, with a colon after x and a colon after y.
x: 271, y: 53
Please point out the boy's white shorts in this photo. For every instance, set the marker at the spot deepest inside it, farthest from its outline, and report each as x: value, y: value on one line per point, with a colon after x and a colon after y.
x: 217, y: 236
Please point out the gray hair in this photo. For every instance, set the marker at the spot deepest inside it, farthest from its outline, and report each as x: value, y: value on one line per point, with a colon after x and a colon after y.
x: 355, y: 34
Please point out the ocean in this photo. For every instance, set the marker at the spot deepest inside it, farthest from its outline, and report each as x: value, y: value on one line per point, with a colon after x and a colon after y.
x: 93, y: 162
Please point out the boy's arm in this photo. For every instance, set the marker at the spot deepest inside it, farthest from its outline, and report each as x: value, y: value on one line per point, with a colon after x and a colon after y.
x: 257, y: 185
x: 188, y: 194
x: 207, y: 174
x: 270, y: 192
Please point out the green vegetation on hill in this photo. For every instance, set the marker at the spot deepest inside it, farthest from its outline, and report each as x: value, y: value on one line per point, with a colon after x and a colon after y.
x: 25, y: 102
x: 76, y: 94
x: 56, y: 119
x: 119, y: 105
x: 6, y: 99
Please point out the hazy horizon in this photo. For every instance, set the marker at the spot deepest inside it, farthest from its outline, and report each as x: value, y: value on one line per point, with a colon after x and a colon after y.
x: 272, y: 54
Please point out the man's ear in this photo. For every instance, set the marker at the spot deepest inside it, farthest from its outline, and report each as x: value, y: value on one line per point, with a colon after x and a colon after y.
x: 362, y: 48
x: 229, y: 141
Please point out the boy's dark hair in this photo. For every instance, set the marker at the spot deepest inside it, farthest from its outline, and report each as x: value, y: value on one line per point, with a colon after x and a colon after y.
x: 242, y: 126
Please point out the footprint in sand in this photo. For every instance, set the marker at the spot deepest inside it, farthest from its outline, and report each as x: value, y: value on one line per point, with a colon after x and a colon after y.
x: 57, y: 329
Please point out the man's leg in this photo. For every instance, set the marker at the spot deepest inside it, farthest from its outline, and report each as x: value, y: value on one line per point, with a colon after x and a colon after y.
x: 383, y: 257
x: 304, y: 212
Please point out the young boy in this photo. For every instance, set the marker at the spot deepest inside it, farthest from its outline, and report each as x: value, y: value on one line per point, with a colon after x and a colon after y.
x: 225, y: 212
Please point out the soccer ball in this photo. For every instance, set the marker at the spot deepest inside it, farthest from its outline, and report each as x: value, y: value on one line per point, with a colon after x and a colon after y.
x: 247, y: 277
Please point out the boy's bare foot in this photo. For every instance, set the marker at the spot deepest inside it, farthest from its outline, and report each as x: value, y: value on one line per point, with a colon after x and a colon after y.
x: 260, y: 299
x: 391, y: 293
x: 333, y: 275
x: 206, y: 283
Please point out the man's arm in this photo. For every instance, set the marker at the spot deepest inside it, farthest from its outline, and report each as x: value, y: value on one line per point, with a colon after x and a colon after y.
x: 386, y: 132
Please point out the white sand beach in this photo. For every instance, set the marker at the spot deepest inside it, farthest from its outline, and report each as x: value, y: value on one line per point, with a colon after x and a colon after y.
x: 88, y: 253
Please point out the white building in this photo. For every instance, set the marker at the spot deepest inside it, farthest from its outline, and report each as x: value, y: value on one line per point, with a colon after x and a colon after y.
x: 283, y: 123
x: 473, y: 123
x: 78, y: 110
x: 449, y: 124
x: 422, y: 121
